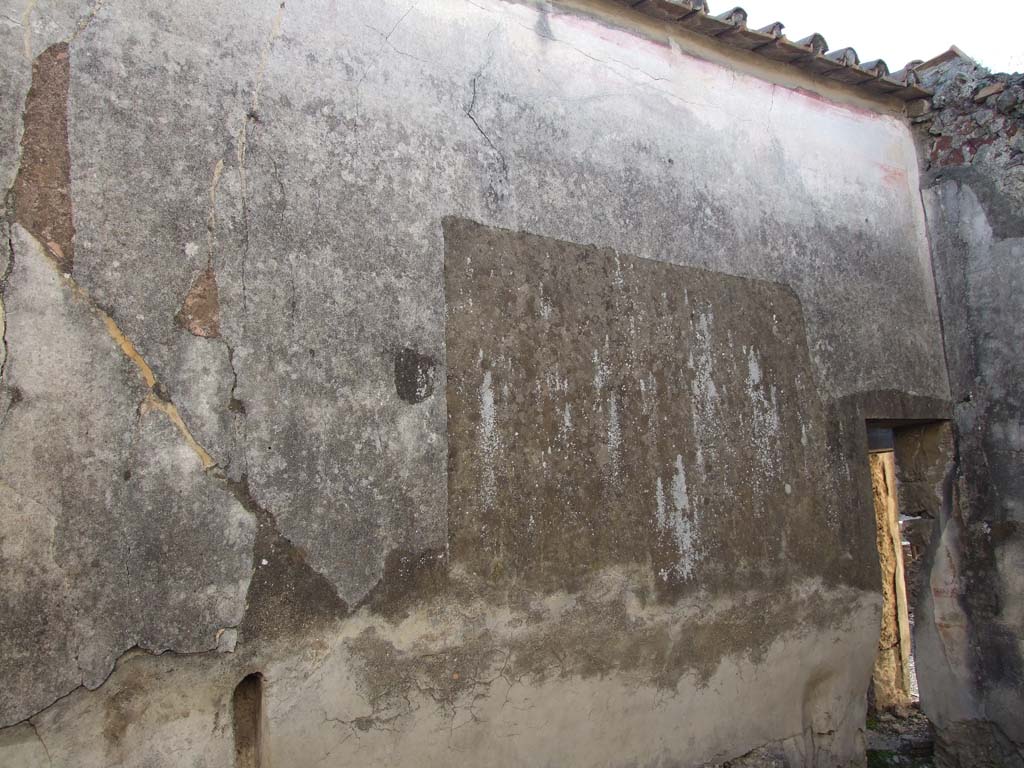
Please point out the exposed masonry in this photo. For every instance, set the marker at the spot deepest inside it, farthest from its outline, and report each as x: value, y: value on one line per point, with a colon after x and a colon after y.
x: 976, y: 122
x: 42, y: 190
x: 200, y: 312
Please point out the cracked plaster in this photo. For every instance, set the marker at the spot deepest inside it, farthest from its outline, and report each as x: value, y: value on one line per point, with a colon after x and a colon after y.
x: 86, y: 488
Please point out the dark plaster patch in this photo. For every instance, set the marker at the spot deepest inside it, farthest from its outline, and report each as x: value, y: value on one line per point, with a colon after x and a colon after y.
x: 121, y: 709
x: 200, y: 311
x: 414, y: 375
x: 42, y: 189
x: 286, y: 597
x: 605, y: 409
x: 409, y: 578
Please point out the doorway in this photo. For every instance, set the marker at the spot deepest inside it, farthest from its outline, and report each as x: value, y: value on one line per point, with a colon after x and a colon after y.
x: 894, y: 679
x: 908, y: 464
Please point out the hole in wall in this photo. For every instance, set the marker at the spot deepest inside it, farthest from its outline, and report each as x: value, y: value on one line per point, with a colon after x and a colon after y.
x: 247, y: 715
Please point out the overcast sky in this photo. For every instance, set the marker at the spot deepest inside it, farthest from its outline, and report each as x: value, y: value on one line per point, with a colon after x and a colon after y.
x: 991, y: 31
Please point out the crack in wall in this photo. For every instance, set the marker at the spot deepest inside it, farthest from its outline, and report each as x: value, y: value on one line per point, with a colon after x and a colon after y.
x: 211, y: 215
x: 42, y: 743
x: 249, y: 121
x: 386, y: 41
x: 469, y: 113
x: 4, y: 280
x: 235, y: 405
x: 29, y: 721
x: 26, y: 24
x: 242, y: 139
x: 157, y: 399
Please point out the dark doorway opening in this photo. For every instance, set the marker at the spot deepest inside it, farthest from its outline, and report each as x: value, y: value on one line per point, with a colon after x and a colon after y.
x: 894, y: 680
x: 908, y: 463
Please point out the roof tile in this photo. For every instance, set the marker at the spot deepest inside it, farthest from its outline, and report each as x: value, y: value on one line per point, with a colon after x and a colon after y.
x: 810, y: 53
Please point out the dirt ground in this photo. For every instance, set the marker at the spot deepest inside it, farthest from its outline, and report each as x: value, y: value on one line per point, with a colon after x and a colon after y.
x: 900, y: 741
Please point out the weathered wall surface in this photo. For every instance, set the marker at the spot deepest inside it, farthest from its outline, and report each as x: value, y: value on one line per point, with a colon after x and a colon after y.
x: 245, y: 412
x: 974, y: 194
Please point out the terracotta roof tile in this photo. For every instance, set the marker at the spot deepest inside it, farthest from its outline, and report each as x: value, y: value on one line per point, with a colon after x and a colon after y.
x: 810, y: 54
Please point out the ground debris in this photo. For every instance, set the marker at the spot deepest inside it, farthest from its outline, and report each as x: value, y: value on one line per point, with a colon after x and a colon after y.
x: 900, y: 741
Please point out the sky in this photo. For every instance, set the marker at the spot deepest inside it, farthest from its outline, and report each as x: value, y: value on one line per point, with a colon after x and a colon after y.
x: 898, y: 31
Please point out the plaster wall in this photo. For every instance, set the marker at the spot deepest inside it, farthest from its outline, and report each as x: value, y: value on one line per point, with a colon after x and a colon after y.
x: 227, y: 433
x: 974, y: 625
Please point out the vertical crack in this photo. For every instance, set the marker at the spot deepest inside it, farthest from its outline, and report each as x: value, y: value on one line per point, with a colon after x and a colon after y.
x: 234, y: 404
x: 242, y: 140
x: 211, y: 215
x: 42, y: 743
x: 241, y: 154
x: 5, y: 279
x: 249, y: 122
x: 469, y: 113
